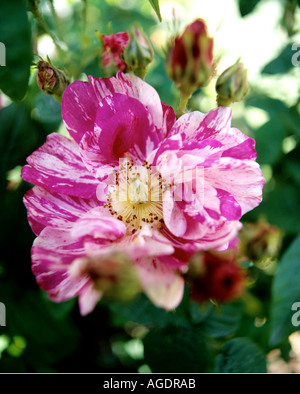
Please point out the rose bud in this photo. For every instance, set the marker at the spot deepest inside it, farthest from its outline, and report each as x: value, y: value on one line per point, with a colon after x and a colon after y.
x: 51, y: 79
x: 260, y: 242
x: 111, y: 276
x: 138, y: 53
x: 215, y: 276
x: 189, y: 60
x: 232, y: 85
x: 112, y: 55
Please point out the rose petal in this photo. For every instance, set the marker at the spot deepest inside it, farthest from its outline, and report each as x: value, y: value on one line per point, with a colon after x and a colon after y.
x: 242, y: 179
x: 46, y: 208
x: 122, y: 125
x: 162, y: 284
x: 57, y: 166
x: 52, y: 253
x: 98, y: 223
x: 131, y: 86
x: 79, y: 107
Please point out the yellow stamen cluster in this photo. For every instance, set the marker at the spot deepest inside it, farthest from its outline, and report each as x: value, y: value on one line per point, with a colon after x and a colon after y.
x: 135, y: 196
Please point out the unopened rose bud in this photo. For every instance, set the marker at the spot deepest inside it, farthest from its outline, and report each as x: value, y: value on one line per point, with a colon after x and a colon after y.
x: 51, y: 79
x: 232, y: 85
x: 215, y: 276
x: 112, y: 55
x: 260, y: 242
x: 189, y: 60
x: 139, y: 52
x: 113, y: 276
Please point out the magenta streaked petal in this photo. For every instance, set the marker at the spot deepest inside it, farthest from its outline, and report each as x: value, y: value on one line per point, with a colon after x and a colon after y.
x: 131, y: 86
x: 174, y: 217
x: 52, y: 254
x: 220, y: 236
x: 98, y: 223
x: 244, y: 150
x: 230, y: 208
x: 161, y: 282
x: 79, y: 107
x: 242, y: 179
x: 46, y: 208
x: 169, y: 118
x: 187, y: 125
x: 122, y: 126
x: 147, y: 242
x: 57, y: 166
x: 216, y: 121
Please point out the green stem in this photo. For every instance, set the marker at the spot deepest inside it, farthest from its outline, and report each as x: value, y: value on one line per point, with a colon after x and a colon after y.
x: 84, y: 16
x: 43, y: 24
x: 183, y: 102
x: 56, y: 20
x: 140, y: 72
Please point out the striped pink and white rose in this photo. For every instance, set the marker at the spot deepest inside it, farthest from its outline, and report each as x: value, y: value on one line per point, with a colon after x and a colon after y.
x: 136, y: 182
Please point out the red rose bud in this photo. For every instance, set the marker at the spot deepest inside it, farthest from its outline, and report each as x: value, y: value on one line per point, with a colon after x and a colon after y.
x: 51, y: 79
x: 112, y: 54
x: 215, y: 276
x: 139, y: 52
x: 260, y: 242
x: 232, y: 85
x: 189, y: 61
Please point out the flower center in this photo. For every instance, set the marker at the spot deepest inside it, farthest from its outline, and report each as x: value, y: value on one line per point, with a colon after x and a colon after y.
x: 135, y: 196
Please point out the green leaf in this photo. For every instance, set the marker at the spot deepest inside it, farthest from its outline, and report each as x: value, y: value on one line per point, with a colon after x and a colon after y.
x: 241, y: 355
x: 269, y: 139
x: 19, y: 135
x: 282, y: 63
x: 247, y: 6
x: 285, y: 292
x: 142, y: 311
x: 175, y: 349
x: 281, y: 207
x: 155, y: 6
x: 224, y: 321
x: 15, y: 34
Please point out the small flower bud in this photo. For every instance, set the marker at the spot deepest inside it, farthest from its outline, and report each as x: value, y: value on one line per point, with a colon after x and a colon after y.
x: 51, y: 79
x: 215, y: 276
x: 113, y: 48
x: 139, y: 52
x: 189, y: 60
x: 113, y: 276
x: 260, y: 242
x: 232, y: 85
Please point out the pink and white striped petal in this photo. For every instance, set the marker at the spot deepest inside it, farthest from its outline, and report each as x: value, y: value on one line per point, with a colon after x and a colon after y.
x: 243, y: 179
x: 79, y: 107
x: 57, y: 166
x: 52, y: 254
x: 46, y: 208
x: 131, y: 86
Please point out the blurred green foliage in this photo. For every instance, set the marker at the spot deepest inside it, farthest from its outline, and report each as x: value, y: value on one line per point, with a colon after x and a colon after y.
x: 41, y: 336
